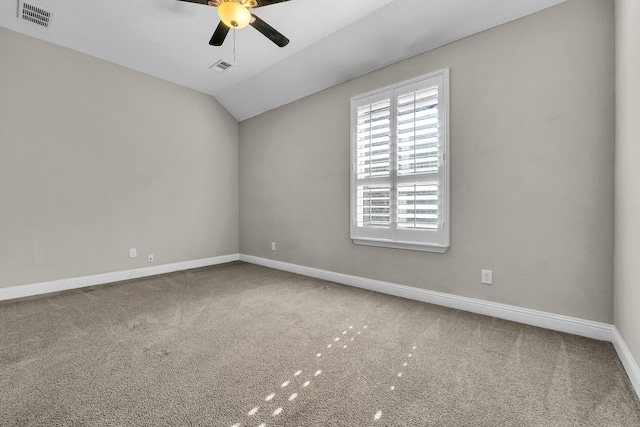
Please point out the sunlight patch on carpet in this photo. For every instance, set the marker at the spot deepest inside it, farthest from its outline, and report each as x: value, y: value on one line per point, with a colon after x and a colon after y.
x: 349, y: 333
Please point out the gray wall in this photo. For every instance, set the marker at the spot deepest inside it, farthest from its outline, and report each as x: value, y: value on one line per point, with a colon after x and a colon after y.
x: 96, y: 159
x: 532, y: 125
x: 627, y: 250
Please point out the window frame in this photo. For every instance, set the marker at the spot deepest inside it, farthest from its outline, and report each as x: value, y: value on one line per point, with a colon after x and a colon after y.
x: 420, y: 240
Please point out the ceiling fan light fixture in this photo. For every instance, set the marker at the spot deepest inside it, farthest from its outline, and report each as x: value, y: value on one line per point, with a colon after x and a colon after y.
x: 234, y: 14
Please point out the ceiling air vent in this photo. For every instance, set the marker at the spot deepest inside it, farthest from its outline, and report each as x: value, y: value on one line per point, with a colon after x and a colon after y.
x: 221, y: 66
x: 33, y: 13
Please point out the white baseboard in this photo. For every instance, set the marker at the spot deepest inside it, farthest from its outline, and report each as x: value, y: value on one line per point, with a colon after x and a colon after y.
x: 556, y: 322
x: 629, y: 363
x: 99, y: 279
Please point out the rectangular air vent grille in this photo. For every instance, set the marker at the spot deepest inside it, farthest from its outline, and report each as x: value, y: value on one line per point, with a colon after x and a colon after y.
x: 221, y: 66
x: 35, y: 14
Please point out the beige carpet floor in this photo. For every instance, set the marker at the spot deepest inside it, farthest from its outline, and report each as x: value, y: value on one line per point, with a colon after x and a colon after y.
x: 242, y: 345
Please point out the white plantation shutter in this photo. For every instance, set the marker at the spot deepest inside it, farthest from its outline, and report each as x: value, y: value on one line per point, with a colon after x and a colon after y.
x: 373, y: 163
x: 373, y: 136
x: 374, y: 206
x: 417, y: 135
x: 417, y: 206
x: 399, y: 183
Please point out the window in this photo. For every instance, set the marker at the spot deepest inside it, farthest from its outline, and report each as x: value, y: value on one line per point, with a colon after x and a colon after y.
x: 400, y: 165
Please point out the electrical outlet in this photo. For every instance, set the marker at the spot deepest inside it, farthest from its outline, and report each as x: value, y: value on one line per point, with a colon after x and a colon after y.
x: 487, y: 277
x: 133, y: 253
x: 150, y: 257
x: 273, y: 246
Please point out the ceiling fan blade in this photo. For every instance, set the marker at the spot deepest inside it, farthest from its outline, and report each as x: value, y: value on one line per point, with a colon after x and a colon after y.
x: 196, y: 1
x: 261, y: 3
x: 219, y: 35
x: 268, y: 31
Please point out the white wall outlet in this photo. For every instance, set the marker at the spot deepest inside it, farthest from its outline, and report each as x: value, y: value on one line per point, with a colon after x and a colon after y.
x: 487, y: 277
x: 273, y: 246
x: 133, y: 253
x: 150, y: 257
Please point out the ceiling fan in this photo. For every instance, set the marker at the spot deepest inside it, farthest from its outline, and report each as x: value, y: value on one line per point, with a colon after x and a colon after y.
x: 236, y: 14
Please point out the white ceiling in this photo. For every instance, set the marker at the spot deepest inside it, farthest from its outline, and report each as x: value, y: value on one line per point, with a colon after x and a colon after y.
x: 331, y: 40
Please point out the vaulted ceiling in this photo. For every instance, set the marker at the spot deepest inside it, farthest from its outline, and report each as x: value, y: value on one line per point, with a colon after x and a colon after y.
x: 331, y: 40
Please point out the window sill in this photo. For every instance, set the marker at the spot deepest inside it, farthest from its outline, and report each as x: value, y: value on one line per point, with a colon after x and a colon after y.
x: 402, y: 245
